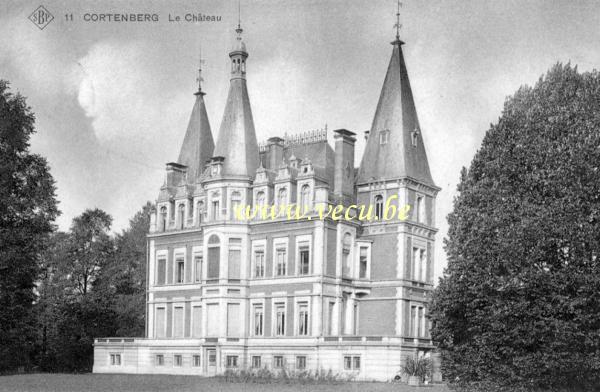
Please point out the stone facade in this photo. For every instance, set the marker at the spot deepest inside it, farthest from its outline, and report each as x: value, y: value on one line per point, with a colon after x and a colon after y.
x: 308, y: 294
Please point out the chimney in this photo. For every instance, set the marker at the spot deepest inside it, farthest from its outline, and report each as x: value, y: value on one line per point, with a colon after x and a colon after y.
x: 343, y: 183
x: 275, y: 151
x: 176, y: 174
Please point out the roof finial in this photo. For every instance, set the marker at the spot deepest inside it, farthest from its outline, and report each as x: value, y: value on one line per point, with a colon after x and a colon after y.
x: 199, y: 78
x: 239, y: 26
x: 397, y: 25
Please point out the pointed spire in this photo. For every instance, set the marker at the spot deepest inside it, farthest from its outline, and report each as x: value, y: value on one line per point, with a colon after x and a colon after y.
x: 397, y: 25
x: 395, y: 146
x: 199, y: 79
x: 198, y: 144
x: 237, y: 137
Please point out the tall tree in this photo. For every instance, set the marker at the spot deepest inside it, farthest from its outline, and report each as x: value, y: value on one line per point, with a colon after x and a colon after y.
x: 127, y: 274
x: 91, y: 248
x: 27, y: 211
x: 518, y: 306
x: 75, y: 304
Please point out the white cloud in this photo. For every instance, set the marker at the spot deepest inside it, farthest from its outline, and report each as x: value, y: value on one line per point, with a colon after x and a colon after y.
x: 124, y: 97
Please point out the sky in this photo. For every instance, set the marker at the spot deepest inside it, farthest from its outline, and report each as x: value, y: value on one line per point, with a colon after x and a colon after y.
x: 112, y: 100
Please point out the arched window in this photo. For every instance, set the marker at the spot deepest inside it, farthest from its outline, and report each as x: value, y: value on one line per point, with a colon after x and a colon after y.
x: 163, y: 218
x: 282, y: 197
x: 191, y: 210
x: 260, y: 199
x: 236, y: 200
x: 379, y: 207
x: 181, y: 215
x: 346, y: 261
x: 214, y: 257
x: 305, y: 195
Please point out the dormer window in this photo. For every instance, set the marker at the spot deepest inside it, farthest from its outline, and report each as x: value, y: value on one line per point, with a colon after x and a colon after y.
x: 282, y: 196
x: 384, y: 136
x: 163, y: 218
x: 305, y: 195
x: 415, y: 137
x: 200, y: 211
x: 181, y: 215
x: 260, y: 199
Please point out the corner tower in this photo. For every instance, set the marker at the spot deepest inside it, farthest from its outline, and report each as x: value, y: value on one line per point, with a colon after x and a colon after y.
x: 394, y: 171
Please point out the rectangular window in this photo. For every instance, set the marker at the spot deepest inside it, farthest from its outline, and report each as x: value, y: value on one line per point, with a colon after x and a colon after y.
x: 413, y: 320
x: 416, y: 264
x: 330, y: 318
x: 303, y: 319
x: 423, y: 265
x: 420, y: 320
x: 115, y: 359
x: 259, y: 264
x: 346, y: 263
x: 258, y: 320
x: 280, y: 319
x: 196, y: 360
x: 179, y: 270
x: 196, y: 321
x: 214, y: 261
x: 351, y: 362
x: 362, y: 268
x: 234, y: 264
x: 232, y: 361
x: 198, y: 268
x: 233, y: 320
x: 160, y: 326
x: 212, y: 319
x: 256, y: 361
x: 420, y: 210
x: 161, y: 270
x: 278, y: 361
x: 159, y: 360
x: 304, y: 260
x: 177, y: 360
x: 178, y: 322
x: 348, y: 363
x: 355, y: 321
x: 300, y: 362
x: 281, y: 264
x: 215, y: 210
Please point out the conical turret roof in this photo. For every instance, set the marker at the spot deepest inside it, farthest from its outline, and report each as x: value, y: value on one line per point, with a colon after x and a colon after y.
x: 237, y: 138
x: 198, y: 144
x: 395, y: 146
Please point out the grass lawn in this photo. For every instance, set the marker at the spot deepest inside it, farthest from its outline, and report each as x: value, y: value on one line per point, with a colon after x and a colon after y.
x: 139, y: 383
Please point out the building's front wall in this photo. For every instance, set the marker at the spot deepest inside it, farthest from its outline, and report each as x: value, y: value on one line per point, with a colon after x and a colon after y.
x: 372, y: 313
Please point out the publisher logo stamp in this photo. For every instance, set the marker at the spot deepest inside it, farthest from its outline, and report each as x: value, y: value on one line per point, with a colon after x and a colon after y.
x: 41, y: 17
